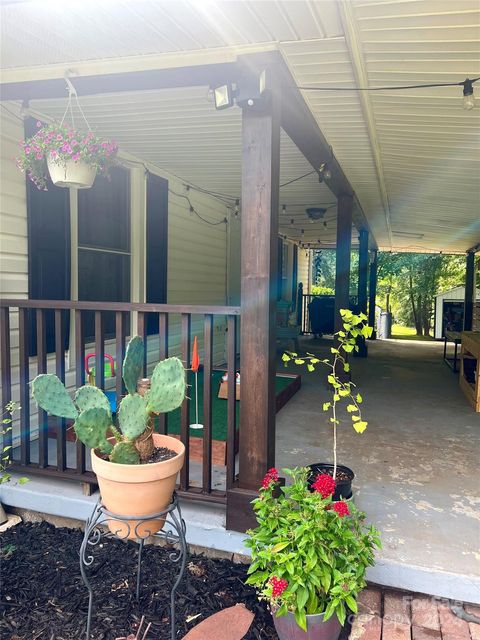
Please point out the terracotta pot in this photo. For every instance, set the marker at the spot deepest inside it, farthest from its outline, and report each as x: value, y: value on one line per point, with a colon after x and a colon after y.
x: 71, y: 174
x: 139, y: 489
x: 317, y: 629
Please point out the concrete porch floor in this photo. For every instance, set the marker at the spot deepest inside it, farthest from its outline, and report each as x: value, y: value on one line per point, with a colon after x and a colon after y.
x: 416, y: 464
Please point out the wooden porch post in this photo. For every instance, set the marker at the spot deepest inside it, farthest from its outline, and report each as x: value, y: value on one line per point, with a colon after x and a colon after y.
x: 372, y: 293
x: 344, y: 244
x: 469, y: 291
x: 259, y: 242
x: 362, y: 286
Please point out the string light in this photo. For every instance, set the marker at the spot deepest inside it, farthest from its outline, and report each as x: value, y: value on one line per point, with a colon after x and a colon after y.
x: 468, y: 97
x: 284, y: 208
x: 237, y: 203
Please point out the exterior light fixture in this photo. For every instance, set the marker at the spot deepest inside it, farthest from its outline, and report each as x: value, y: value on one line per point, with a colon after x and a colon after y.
x: 468, y: 97
x: 223, y: 96
x: 315, y: 213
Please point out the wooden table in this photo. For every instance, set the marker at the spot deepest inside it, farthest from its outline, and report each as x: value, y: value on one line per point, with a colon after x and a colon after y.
x: 470, y: 367
x: 456, y: 338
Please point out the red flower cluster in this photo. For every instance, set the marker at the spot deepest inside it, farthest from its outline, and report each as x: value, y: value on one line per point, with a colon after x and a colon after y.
x: 341, y: 508
x: 278, y: 586
x: 324, y: 485
x: 271, y: 476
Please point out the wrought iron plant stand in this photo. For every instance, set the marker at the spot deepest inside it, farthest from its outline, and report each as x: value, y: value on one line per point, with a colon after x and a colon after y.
x: 173, y: 533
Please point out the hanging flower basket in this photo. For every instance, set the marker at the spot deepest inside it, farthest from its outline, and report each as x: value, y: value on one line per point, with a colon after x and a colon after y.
x: 68, y: 173
x: 72, y: 158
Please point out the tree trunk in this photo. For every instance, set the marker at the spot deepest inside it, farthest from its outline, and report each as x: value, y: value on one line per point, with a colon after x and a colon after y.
x: 415, y: 308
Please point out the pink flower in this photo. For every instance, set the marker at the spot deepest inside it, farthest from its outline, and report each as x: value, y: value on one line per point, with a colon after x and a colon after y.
x: 59, y: 136
x: 39, y: 124
x: 39, y: 156
x: 28, y: 149
x: 278, y: 586
x: 54, y: 154
x: 76, y: 157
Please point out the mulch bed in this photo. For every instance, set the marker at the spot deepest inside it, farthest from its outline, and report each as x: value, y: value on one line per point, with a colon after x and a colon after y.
x: 43, y: 596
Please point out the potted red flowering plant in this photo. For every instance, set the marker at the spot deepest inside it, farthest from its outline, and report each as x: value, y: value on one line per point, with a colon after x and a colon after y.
x: 309, y: 555
x: 72, y: 158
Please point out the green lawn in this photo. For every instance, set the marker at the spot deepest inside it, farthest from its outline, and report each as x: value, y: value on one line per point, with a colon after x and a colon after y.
x: 407, y: 333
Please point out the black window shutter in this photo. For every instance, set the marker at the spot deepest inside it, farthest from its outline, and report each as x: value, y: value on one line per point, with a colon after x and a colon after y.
x: 156, y: 245
x: 48, y: 222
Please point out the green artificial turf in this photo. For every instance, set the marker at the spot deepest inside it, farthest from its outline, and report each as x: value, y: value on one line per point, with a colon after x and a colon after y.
x: 219, y: 406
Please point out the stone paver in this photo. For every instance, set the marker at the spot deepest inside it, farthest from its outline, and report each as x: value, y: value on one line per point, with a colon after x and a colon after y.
x: 419, y: 633
x: 425, y: 613
x: 393, y: 630
x: 451, y: 626
x: 370, y: 601
x: 396, y: 607
x: 232, y: 623
x: 366, y: 627
x: 395, y: 615
x: 474, y: 630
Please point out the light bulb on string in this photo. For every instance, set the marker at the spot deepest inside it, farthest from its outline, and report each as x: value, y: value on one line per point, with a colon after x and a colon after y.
x: 237, y: 203
x: 324, y: 224
x: 292, y: 222
x: 284, y: 208
x: 468, y: 97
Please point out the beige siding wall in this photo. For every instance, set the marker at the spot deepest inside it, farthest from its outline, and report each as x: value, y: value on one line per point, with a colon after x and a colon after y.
x: 13, y: 219
x: 304, y: 269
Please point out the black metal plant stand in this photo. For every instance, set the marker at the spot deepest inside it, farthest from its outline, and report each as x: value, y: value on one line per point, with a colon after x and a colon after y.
x: 173, y: 533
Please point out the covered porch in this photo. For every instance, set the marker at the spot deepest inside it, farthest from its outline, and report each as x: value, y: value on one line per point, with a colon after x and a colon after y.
x: 252, y: 172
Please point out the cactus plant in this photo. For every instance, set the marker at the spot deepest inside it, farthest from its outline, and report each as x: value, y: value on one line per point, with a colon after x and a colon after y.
x: 91, y: 409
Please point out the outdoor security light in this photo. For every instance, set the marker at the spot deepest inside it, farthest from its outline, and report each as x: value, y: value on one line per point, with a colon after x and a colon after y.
x: 223, y: 96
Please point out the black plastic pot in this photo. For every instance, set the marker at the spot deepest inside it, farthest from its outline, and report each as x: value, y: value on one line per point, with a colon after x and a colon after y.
x: 343, y: 488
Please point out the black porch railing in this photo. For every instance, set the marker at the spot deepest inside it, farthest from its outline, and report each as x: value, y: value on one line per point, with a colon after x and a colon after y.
x: 172, y: 331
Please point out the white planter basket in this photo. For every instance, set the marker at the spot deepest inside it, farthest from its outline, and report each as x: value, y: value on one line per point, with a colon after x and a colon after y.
x: 69, y: 173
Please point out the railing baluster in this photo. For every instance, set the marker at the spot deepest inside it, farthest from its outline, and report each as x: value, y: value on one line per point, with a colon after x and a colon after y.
x: 142, y: 332
x: 6, y: 372
x: 232, y: 390
x: 119, y: 353
x: 60, y: 371
x: 99, y: 351
x: 79, y: 379
x: 42, y: 368
x: 185, y: 411
x: 207, y: 402
x: 163, y: 353
x: 23, y: 329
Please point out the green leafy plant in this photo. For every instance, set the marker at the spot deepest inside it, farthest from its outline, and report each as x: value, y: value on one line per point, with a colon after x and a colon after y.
x: 354, y: 327
x: 91, y: 409
x: 309, y: 554
x: 60, y: 143
x: 6, y: 427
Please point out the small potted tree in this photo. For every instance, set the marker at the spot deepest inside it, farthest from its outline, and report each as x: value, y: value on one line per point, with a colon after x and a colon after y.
x: 342, y: 391
x: 130, y: 483
x: 309, y: 555
x: 72, y: 158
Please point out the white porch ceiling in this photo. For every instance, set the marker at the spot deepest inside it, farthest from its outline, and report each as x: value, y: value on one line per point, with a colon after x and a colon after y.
x: 413, y: 157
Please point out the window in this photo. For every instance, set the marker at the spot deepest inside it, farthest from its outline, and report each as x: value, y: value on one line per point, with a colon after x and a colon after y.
x: 104, y: 245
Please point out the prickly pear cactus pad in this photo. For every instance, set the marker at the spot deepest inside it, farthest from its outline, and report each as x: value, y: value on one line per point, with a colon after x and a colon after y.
x: 91, y: 428
x: 89, y: 397
x: 132, y: 416
x: 125, y: 453
x: 168, y: 386
x: 133, y: 363
x: 51, y: 395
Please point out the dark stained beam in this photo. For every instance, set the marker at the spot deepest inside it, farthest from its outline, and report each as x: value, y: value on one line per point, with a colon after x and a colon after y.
x: 469, y: 291
x: 344, y: 245
x: 259, y: 233
x: 362, y: 286
x: 372, y: 293
x: 197, y: 75
x: 301, y: 126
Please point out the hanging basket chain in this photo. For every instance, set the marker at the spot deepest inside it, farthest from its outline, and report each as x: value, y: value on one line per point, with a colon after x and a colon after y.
x: 72, y: 92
